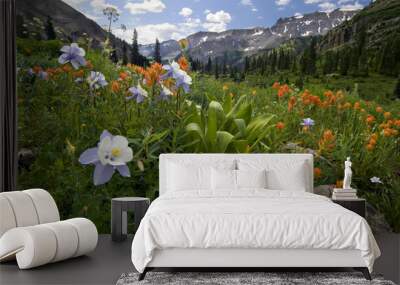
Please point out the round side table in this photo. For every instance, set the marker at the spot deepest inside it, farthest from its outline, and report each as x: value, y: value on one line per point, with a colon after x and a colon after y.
x: 119, y: 218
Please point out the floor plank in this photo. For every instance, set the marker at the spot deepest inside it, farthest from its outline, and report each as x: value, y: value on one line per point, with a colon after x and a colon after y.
x: 103, y: 266
x: 111, y: 259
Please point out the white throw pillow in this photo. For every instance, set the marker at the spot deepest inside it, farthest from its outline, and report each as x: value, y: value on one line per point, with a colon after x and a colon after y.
x: 182, y: 177
x: 282, y: 174
x: 292, y: 178
x: 251, y: 178
x: 193, y: 173
x: 223, y: 179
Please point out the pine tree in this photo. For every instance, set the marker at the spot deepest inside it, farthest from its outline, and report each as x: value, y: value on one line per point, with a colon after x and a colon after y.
x: 224, y: 64
x: 390, y: 58
x: 328, y: 66
x: 216, y: 69
x: 335, y: 61
x: 273, y: 60
x: 232, y: 74
x: 246, y: 64
x: 353, y: 64
x: 344, y: 62
x: 312, y: 67
x: 281, y: 60
x: 50, y: 32
x: 124, y: 53
x: 304, y: 59
x: 209, y: 65
x: 362, y: 52
x: 363, y: 64
x: 157, y: 52
x: 135, y: 56
x: 294, y: 67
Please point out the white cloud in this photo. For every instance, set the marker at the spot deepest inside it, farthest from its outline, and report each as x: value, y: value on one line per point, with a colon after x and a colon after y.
x: 99, y: 5
x: 75, y: 3
x: 298, y: 15
x: 147, y: 34
x: 186, y: 12
x: 218, y: 21
x: 90, y: 16
x: 327, y: 7
x: 351, y: 7
x: 250, y: 4
x: 206, y: 11
x: 282, y: 2
x: 340, y: 2
x: 246, y: 2
x: 192, y: 23
x: 312, y: 1
x: 147, y: 6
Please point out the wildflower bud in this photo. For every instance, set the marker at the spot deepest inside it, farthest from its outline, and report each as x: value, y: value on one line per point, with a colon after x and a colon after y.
x: 370, y: 147
x: 280, y: 125
x: 317, y: 172
x: 387, y: 132
x: 387, y: 115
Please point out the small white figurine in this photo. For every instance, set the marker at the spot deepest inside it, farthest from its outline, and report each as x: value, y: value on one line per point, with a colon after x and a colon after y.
x: 347, y: 174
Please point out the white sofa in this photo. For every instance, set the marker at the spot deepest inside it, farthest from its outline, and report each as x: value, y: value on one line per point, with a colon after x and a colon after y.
x: 31, y: 231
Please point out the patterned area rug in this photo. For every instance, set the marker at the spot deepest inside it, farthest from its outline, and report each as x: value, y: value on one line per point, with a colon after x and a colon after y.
x: 244, y: 278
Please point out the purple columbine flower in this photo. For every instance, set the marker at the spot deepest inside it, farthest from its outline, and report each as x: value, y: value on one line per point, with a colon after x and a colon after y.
x: 182, y: 79
x: 112, y: 153
x: 376, y: 180
x: 72, y: 54
x: 43, y: 75
x: 308, y: 122
x: 31, y: 72
x: 165, y: 93
x: 96, y: 80
x: 138, y: 93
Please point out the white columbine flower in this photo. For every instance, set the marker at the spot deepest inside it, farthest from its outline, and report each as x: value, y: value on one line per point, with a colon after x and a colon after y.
x: 375, y: 180
x: 111, y: 154
x: 114, y: 151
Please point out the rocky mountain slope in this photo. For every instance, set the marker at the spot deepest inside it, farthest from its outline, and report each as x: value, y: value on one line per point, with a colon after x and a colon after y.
x: 68, y: 22
x: 243, y: 42
x: 380, y: 21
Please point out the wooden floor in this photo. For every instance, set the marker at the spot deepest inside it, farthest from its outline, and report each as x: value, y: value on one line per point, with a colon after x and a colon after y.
x: 110, y: 259
x: 103, y: 266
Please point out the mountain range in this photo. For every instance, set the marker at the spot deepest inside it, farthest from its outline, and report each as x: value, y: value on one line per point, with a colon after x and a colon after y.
x: 235, y: 44
x: 239, y: 43
x: 380, y: 21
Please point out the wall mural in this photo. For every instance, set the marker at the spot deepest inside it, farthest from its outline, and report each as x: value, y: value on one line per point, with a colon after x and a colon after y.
x: 97, y: 104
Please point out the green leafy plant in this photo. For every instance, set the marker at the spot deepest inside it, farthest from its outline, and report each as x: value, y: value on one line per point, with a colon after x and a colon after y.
x: 228, y: 127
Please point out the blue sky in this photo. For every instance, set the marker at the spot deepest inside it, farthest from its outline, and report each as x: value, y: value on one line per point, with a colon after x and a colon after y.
x: 175, y: 19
